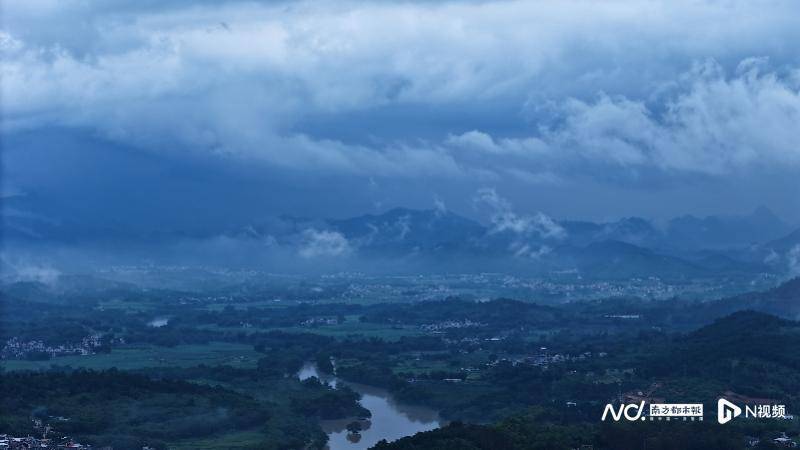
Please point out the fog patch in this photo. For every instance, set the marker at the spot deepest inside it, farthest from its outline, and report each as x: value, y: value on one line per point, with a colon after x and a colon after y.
x: 29, y: 272
x: 324, y: 243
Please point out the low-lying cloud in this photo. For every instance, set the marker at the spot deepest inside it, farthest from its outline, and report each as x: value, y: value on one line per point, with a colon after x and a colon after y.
x: 28, y: 270
x: 527, y: 231
x: 324, y: 243
x: 503, y: 218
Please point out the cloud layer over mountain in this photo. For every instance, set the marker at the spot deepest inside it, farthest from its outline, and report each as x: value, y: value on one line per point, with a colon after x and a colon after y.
x: 595, y: 109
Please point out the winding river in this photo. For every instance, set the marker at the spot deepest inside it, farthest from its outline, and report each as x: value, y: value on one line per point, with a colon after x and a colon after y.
x: 390, y: 420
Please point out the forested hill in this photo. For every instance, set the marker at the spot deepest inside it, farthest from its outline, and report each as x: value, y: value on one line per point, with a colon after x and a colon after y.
x: 751, y: 354
x: 748, y: 352
x: 783, y: 300
x: 743, y: 335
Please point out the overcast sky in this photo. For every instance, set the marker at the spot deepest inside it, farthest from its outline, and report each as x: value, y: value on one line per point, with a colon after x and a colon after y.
x: 173, y: 114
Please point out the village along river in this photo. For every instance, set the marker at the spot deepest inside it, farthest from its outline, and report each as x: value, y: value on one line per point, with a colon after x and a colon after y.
x: 390, y: 420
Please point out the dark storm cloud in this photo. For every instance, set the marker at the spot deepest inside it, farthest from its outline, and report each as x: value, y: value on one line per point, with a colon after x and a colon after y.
x: 278, y: 105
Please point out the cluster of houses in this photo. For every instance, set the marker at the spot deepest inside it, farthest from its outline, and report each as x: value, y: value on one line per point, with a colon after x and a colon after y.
x: 448, y: 324
x: 321, y: 320
x: 25, y: 443
x: 544, y: 359
x: 782, y: 441
x: 16, y: 348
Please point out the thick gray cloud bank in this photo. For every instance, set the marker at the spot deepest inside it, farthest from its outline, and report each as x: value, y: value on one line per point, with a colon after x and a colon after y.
x: 577, y: 108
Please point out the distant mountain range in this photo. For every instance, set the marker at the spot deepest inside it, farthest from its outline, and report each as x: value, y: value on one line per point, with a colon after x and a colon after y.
x: 628, y: 247
x: 686, y: 246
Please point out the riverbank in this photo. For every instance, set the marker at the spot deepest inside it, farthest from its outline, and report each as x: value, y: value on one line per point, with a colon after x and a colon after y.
x: 390, y: 420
